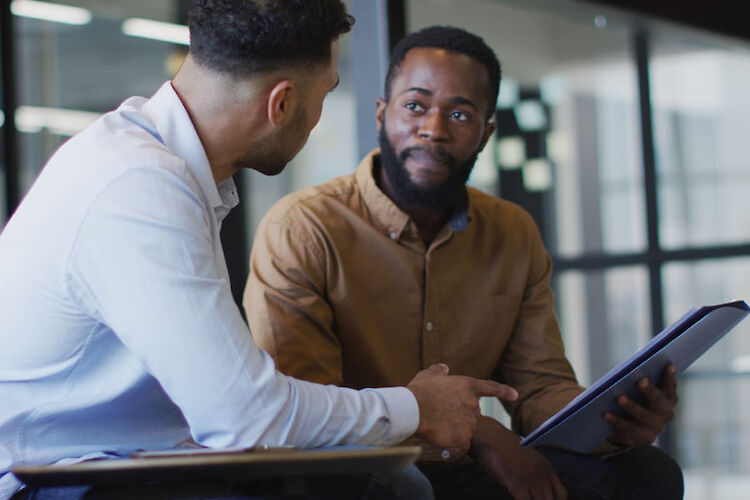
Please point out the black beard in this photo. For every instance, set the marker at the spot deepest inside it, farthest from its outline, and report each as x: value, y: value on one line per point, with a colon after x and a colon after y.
x: 439, y: 198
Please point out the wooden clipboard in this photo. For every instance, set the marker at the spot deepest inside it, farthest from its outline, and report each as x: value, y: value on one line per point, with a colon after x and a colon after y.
x: 233, y: 465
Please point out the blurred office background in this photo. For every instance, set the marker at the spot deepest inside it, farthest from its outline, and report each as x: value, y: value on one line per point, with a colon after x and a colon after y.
x: 623, y: 131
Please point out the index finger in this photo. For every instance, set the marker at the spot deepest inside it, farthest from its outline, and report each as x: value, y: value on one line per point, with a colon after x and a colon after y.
x: 492, y: 388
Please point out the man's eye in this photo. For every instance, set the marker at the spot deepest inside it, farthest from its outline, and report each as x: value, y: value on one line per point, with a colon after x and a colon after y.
x: 413, y: 106
x: 460, y: 116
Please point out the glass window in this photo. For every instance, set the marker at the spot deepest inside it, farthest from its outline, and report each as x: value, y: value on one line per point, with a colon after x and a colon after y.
x: 71, y: 70
x: 701, y: 112
x: 713, y: 419
x: 603, y: 317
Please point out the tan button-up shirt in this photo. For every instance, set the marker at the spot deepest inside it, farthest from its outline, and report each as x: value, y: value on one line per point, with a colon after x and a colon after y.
x: 343, y: 291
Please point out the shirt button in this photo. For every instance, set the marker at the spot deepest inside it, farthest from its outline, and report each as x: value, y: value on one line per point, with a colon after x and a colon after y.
x: 393, y: 235
x: 429, y: 326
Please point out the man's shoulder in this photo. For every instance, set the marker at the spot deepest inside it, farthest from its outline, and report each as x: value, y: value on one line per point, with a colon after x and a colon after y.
x: 114, y: 146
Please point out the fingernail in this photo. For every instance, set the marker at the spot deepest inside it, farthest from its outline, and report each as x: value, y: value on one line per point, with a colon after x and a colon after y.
x: 644, y: 383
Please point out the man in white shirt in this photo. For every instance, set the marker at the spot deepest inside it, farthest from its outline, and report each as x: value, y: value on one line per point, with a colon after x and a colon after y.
x: 117, y: 323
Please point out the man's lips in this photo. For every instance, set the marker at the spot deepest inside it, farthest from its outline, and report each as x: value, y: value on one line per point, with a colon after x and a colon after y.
x: 425, y: 168
x: 428, y: 157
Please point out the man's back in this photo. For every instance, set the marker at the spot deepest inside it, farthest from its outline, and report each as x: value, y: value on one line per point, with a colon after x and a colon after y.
x: 59, y: 356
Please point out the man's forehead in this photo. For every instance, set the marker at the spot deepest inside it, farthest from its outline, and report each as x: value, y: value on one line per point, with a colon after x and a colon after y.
x: 427, y: 67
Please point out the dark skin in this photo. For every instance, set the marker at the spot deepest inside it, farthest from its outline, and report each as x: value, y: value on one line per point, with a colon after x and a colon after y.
x: 433, y: 103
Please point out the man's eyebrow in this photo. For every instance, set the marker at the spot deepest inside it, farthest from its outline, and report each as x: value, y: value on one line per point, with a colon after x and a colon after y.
x: 464, y: 100
x: 455, y: 100
x: 419, y: 90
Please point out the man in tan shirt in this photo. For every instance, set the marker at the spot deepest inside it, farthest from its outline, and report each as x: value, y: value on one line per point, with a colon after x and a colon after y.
x: 369, y: 278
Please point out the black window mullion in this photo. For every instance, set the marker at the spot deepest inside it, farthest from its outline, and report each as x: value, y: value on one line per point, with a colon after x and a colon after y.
x: 8, y: 104
x: 640, y: 46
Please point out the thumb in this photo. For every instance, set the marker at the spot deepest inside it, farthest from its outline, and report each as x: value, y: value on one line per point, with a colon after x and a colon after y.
x: 438, y: 369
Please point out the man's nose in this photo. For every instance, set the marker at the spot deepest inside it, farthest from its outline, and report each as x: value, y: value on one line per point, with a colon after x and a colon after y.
x: 434, y: 127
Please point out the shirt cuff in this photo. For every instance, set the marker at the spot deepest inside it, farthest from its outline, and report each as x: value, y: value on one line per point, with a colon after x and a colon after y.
x: 403, y: 410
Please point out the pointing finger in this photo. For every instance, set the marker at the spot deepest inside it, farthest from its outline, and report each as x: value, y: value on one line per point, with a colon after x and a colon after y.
x: 492, y: 388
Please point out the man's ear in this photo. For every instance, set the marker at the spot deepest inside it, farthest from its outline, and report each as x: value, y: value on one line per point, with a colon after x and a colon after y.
x: 489, y: 129
x: 281, y: 101
x: 380, y: 105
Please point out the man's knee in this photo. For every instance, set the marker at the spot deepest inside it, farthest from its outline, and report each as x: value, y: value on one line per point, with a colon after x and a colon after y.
x: 651, y: 473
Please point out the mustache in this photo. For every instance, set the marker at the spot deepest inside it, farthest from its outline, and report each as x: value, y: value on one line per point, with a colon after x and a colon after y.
x: 436, y: 152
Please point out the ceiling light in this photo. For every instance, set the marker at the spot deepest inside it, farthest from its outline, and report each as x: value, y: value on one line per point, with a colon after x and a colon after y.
x: 157, y: 30
x: 51, y: 12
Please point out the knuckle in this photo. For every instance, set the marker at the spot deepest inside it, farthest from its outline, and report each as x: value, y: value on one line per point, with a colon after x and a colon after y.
x: 470, y: 403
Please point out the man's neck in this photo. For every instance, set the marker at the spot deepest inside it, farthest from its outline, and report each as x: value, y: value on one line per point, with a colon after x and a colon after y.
x: 214, y: 102
x: 428, y: 222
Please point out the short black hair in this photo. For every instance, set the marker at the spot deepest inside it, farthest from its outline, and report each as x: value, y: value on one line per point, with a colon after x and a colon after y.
x: 242, y: 37
x: 454, y: 40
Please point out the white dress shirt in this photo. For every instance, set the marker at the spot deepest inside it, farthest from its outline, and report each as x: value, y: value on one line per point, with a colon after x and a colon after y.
x: 118, y: 330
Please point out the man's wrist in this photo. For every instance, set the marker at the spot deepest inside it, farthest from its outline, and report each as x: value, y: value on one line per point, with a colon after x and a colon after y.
x: 403, y: 411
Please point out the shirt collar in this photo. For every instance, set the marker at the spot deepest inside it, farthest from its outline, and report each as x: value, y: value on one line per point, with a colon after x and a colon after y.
x: 175, y: 129
x: 461, y: 214
x: 386, y: 214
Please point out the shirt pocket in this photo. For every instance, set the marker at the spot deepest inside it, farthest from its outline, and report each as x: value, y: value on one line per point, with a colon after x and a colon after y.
x: 483, y: 326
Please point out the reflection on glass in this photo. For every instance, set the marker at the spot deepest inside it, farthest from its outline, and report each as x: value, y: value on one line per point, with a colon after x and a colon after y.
x: 603, y: 316
x: 701, y: 118
x: 69, y: 74
x: 713, y: 419
x: 156, y: 30
x: 52, y: 12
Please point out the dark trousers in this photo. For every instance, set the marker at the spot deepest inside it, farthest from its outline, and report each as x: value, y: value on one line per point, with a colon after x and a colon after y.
x: 641, y: 473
